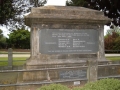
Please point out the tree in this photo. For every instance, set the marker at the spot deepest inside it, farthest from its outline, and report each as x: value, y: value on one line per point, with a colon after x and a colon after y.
x: 6, y: 11
x: 3, y: 43
x: 19, y: 39
x: 82, y: 3
x: 111, y: 8
x: 13, y: 11
x: 38, y: 3
x: 112, y: 39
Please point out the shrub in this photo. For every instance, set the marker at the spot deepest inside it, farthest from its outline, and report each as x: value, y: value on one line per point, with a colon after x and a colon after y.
x: 54, y: 87
x: 103, y: 84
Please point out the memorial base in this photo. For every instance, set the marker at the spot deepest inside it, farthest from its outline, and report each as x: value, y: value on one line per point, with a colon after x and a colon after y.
x: 51, y: 69
x: 66, y: 73
x: 57, y: 69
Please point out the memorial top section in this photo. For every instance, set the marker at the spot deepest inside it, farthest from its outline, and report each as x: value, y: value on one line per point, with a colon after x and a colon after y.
x: 66, y: 13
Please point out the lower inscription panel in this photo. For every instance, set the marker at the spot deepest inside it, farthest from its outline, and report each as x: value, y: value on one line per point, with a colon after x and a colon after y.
x: 73, y: 74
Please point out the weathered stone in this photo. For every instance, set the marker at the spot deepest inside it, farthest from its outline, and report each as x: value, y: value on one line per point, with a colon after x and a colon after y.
x: 65, y: 18
x: 61, y: 14
x: 10, y: 58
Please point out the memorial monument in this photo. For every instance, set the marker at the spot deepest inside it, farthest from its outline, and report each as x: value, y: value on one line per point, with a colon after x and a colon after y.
x: 63, y: 37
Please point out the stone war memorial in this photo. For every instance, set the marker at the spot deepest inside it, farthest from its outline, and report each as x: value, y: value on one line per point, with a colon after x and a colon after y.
x: 62, y: 39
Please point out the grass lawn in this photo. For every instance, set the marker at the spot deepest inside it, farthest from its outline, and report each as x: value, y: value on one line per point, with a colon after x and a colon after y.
x: 115, y: 58
x: 14, y: 58
x: 6, y: 52
x: 16, y: 61
x: 21, y: 60
x: 24, y: 58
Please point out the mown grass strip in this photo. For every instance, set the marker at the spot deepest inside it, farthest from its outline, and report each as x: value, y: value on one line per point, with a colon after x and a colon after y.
x: 15, y: 52
x: 16, y: 61
x: 24, y: 58
x: 114, y: 58
x: 14, y: 58
x: 21, y: 60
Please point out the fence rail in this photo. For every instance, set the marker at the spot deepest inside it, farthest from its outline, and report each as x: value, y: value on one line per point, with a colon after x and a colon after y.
x: 55, y: 81
x: 57, y: 68
x: 28, y: 52
x: 77, y: 66
x: 44, y: 82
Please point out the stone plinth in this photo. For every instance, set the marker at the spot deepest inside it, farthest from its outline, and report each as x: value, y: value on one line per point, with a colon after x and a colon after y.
x: 61, y: 36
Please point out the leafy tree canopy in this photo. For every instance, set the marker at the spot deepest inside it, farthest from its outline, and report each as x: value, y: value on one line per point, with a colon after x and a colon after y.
x: 2, y: 40
x: 112, y: 39
x: 38, y: 3
x: 12, y: 12
x: 6, y: 11
x: 1, y: 35
x: 19, y: 39
x: 111, y: 8
x: 82, y: 3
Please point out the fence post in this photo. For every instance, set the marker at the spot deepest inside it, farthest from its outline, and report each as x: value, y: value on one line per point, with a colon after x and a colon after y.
x: 92, y: 70
x: 10, y: 58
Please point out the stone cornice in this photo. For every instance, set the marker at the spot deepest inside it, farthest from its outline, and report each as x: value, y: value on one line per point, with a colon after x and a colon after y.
x: 65, y: 14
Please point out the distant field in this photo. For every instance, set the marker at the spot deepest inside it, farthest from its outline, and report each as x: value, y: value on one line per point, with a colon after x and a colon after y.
x: 21, y: 60
x: 15, y: 51
x: 15, y: 58
x: 24, y: 58
x: 16, y: 61
x: 114, y: 58
x: 26, y: 52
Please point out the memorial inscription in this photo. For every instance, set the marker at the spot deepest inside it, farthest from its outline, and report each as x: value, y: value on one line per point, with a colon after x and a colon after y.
x: 68, y: 41
x: 73, y: 74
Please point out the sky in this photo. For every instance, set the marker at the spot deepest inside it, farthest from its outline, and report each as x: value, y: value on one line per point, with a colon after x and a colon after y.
x: 5, y: 30
x: 49, y: 2
x: 56, y: 2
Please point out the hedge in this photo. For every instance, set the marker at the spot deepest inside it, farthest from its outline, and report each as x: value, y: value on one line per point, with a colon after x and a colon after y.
x: 103, y: 84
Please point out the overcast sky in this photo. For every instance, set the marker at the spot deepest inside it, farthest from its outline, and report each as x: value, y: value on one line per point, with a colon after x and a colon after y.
x: 56, y: 2
x: 50, y: 2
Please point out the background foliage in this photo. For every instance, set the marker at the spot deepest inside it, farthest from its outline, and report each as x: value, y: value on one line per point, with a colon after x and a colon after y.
x: 6, y: 11
x: 54, y: 87
x: 111, y: 8
x: 12, y: 12
x: 2, y: 40
x: 112, y: 39
x: 19, y: 39
x: 103, y: 84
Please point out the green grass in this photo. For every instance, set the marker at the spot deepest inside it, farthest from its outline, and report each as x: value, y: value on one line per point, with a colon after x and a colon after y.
x: 115, y: 58
x: 53, y: 87
x: 21, y: 60
x: 14, y: 52
x: 14, y: 58
x: 2, y: 52
x: 103, y: 84
x: 19, y: 63
x: 16, y: 61
x: 24, y: 58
